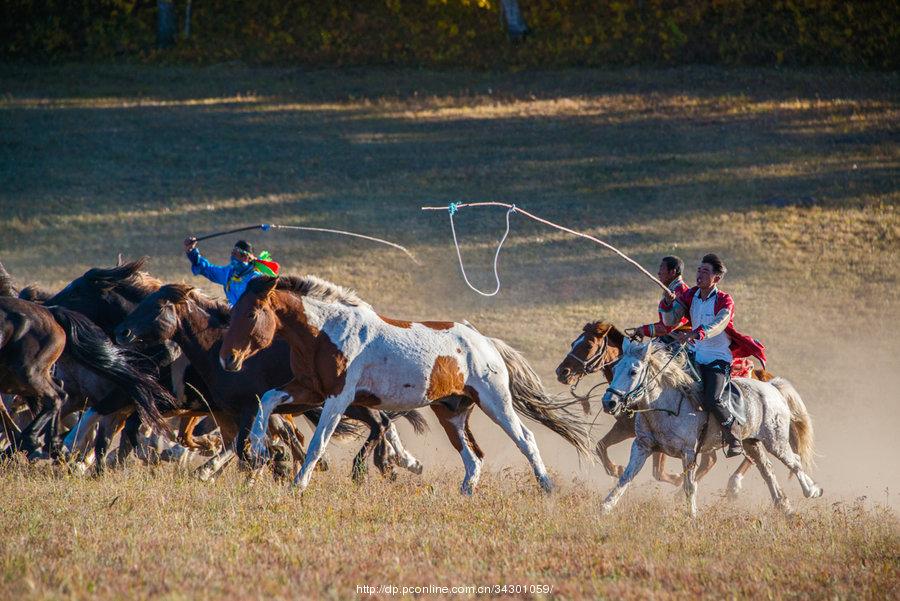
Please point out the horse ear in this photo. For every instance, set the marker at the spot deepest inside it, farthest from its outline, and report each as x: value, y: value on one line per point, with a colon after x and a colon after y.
x: 626, y: 344
x: 120, y: 261
x: 647, y: 350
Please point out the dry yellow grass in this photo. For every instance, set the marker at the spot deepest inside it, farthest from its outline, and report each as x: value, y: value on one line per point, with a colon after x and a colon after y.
x: 101, y: 160
x: 162, y: 534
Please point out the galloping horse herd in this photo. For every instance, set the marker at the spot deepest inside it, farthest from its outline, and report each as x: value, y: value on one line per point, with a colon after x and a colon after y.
x: 117, y: 350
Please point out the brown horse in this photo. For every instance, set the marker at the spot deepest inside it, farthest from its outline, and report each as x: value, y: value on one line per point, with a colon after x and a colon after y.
x: 597, y: 349
x: 344, y: 353
x: 197, y: 324
x: 47, y: 353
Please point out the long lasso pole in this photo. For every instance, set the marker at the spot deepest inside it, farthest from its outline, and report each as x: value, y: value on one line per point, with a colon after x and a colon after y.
x: 271, y: 226
x: 453, y: 207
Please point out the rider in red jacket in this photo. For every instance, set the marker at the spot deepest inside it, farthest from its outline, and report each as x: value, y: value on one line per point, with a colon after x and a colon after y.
x: 670, y: 270
x: 716, y: 342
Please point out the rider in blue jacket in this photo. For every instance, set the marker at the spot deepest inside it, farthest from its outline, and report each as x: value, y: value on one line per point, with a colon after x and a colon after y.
x: 234, y: 277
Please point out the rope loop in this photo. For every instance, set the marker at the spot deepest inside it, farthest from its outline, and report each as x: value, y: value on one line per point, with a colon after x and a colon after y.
x: 453, y: 208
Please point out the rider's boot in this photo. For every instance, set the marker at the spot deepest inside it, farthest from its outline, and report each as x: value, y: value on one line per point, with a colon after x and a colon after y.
x: 733, y: 446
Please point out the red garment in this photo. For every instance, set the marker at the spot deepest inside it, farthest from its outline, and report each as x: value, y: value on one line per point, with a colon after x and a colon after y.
x: 741, y: 345
x: 659, y: 328
x: 742, y: 367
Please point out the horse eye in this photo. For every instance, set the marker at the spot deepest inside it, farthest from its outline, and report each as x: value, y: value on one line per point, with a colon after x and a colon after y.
x: 633, y: 372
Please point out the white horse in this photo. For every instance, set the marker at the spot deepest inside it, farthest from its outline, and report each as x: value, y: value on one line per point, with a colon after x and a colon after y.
x: 343, y: 352
x: 654, y: 385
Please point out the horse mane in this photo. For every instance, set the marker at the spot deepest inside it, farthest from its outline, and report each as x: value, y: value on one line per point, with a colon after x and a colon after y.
x: 7, y: 288
x: 313, y: 287
x: 125, y: 274
x: 183, y: 293
x: 674, y: 371
x: 605, y: 328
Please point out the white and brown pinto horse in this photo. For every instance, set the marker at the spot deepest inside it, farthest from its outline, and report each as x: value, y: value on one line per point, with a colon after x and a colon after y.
x: 343, y: 352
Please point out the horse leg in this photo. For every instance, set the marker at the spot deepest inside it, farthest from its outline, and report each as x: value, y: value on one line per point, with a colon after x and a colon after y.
x: 707, y: 462
x: 186, y: 430
x: 689, y: 464
x: 377, y: 422
x: 639, y: 454
x: 402, y: 457
x: 754, y: 450
x: 108, y: 428
x: 454, y: 425
x: 331, y: 416
x: 659, y: 466
x: 290, y: 435
x: 128, y: 441
x: 76, y: 441
x: 782, y: 449
x: 313, y: 418
x: 622, y: 429
x: 213, y: 468
x: 734, y: 482
x: 267, y: 404
x: 496, y: 402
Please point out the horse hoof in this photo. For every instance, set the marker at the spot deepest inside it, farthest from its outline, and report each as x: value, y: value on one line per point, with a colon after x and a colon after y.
x: 606, y: 508
x: 417, y: 468
x: 546, y: 485
x: 205, y: 475
x: 784, y: 505
x: 815, y: 493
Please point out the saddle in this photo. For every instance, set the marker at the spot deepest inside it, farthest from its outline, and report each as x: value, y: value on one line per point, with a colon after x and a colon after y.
x: 732, y: 395
x: 733, y: 398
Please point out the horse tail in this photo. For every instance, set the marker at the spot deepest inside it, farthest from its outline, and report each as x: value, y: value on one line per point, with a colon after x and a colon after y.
x: 419, y: 424
x: 346, y: 428
x: 90, y: 347
x: 801, y: 429
x: 530, y: 399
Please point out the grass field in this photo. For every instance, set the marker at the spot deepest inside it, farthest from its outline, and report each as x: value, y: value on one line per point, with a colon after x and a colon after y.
x: 792, y: 176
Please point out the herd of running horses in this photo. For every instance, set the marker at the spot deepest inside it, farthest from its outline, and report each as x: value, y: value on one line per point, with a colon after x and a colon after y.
x: 118, y: 350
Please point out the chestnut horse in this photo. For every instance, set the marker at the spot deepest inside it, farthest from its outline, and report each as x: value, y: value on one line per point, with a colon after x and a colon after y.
x: 597, y: 349
x: 343, y: 352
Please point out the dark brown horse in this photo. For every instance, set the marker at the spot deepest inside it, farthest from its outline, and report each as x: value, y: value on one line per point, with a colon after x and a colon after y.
x: 47, y: 353
x: 107, y: 296
x: 597, y: 348
x: 197, y: 324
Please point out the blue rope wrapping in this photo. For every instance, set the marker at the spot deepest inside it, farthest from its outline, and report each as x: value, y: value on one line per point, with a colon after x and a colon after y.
x: 453, y: 207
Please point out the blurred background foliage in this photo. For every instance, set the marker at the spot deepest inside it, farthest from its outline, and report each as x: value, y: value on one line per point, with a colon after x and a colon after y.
x: 459, y: 33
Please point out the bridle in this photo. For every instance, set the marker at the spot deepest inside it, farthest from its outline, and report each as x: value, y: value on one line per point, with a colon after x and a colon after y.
x: 627, y: 399
x: 590, y: 365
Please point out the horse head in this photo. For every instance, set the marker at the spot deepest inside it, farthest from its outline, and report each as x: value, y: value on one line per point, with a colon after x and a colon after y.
x: 598, y: 347
x: 629, y: 375
x: 155, y: 319
x: 253, y: 324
